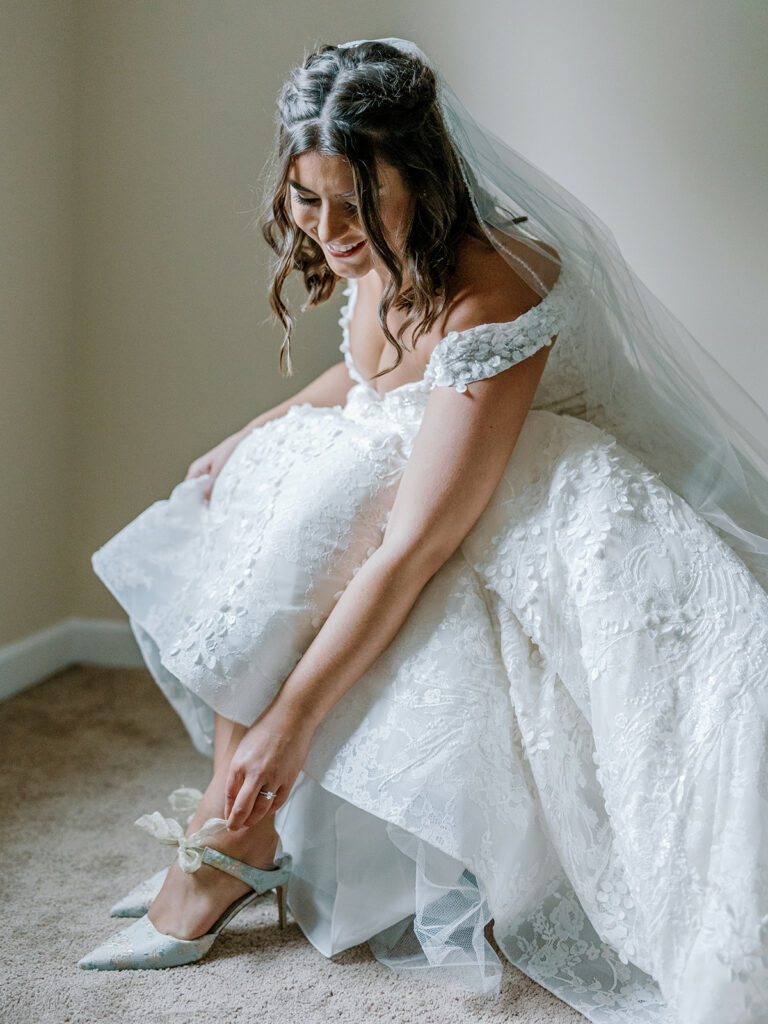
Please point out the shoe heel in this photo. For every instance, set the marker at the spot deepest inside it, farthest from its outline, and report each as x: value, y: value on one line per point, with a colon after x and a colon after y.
x: 280, y: 890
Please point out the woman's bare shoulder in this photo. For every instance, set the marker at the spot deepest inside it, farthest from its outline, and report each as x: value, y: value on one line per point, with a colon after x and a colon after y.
x: 486, y: 289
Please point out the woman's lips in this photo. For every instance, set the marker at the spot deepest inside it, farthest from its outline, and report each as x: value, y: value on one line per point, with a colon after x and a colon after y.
x: 344, y: 253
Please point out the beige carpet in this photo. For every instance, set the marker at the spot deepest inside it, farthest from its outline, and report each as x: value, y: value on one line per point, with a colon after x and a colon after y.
x: 84, y: 754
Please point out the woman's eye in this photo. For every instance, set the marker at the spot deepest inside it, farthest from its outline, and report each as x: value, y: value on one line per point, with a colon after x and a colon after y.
x: 307, y: 201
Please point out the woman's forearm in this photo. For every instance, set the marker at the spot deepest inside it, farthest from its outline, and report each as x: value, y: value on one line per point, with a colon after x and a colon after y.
x: 330, y: 388
x: 364, y: 621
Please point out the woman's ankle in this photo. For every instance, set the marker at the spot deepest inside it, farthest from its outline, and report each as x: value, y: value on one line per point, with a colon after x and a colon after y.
x: 256, y: 846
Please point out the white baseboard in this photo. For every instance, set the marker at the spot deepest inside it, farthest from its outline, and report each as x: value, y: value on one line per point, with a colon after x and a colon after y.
x: 94, y: 641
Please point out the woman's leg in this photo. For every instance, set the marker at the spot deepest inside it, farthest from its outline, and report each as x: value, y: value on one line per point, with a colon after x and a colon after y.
x: 187, y: 905
x: 222, y: 734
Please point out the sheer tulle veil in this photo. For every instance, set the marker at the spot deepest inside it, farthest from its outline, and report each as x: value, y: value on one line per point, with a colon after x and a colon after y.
x: 645, y: 379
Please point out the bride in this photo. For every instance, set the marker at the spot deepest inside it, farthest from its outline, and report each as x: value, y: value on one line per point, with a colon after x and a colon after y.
x: 474, y: 626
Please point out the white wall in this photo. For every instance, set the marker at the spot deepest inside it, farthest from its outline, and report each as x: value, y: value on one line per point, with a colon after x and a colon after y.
x: 37, y: 290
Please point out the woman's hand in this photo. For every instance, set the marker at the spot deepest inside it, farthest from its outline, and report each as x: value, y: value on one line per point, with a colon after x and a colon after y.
x: 213, y: 461
x: 270, y: 757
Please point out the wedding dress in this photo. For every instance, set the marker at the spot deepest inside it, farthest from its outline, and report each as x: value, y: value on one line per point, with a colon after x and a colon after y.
x: 567, y: 735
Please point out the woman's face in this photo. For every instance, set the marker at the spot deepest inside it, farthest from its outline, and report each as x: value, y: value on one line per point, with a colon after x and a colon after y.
x: 322, y: 198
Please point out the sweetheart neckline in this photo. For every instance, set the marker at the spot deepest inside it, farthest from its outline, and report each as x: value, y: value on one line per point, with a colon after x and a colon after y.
x: 348, y: 311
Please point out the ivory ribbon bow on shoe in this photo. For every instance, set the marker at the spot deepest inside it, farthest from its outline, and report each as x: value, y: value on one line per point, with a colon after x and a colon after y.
x: 169, y: 832
x: 185, y: 800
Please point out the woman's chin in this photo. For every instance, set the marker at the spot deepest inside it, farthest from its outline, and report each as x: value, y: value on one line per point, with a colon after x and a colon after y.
x: 349, y: 268
x: 354, y: 263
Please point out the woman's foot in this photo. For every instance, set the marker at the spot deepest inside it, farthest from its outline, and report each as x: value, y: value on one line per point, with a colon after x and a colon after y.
x: 188, y: 904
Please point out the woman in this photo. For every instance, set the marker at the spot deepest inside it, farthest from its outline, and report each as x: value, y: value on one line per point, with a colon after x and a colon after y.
x: 459, y: 654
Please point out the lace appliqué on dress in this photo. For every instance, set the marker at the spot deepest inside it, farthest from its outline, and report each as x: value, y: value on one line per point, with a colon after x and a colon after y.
x: 483, y: 351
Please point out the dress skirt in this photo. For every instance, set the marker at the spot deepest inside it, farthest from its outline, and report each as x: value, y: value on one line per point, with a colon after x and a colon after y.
x: 566, y: 737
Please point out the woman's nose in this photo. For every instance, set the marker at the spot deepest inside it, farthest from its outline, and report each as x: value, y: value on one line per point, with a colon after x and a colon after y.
x: 332, y: 223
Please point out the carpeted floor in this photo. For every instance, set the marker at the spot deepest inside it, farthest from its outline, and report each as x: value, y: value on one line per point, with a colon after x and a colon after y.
x: 84, y: 754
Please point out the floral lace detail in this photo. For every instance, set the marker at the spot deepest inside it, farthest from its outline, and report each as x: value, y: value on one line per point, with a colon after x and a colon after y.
x: 483, y: 351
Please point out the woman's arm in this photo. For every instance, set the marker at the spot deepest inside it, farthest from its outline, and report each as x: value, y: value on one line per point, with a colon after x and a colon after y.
x: 463, y: 446
x: 330, y: 388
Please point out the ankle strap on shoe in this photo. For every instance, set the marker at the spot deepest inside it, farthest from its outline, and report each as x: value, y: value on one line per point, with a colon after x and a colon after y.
x: 258, y: 879
x: 192, y: 853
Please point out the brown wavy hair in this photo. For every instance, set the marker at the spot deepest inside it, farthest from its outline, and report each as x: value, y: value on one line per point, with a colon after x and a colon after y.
x: 370, y: 103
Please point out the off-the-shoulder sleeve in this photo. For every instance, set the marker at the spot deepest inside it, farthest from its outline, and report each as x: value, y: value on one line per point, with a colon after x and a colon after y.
x: 483, y: 351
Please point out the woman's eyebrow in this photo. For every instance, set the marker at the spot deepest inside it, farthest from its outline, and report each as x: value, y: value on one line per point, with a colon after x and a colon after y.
x: 302, y: 188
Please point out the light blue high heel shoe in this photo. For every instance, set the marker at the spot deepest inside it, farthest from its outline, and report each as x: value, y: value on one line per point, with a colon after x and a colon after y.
x: 138, y: 901
x: 141, y: 946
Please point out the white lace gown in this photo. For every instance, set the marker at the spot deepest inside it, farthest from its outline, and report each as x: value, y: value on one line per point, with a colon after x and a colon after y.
x: 567, y: 735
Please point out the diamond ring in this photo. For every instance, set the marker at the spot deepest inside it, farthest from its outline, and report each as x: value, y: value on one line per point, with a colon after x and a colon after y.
x: 267, y: 793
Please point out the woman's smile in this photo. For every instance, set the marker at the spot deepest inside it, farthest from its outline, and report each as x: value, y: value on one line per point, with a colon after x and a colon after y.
x: 345, y: 251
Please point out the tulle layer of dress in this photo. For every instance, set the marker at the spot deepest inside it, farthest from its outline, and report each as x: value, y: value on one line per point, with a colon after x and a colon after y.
x: 567, y: 736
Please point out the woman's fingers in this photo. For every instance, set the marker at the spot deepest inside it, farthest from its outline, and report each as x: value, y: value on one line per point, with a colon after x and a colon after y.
x: 213, y: 473
x: 251, y: 803
x: 268, y: 759
x: 197, y: 469
x: 234, y: 783
x: 280, y: 799
x: 263, y: 804
x: 242, y: 806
